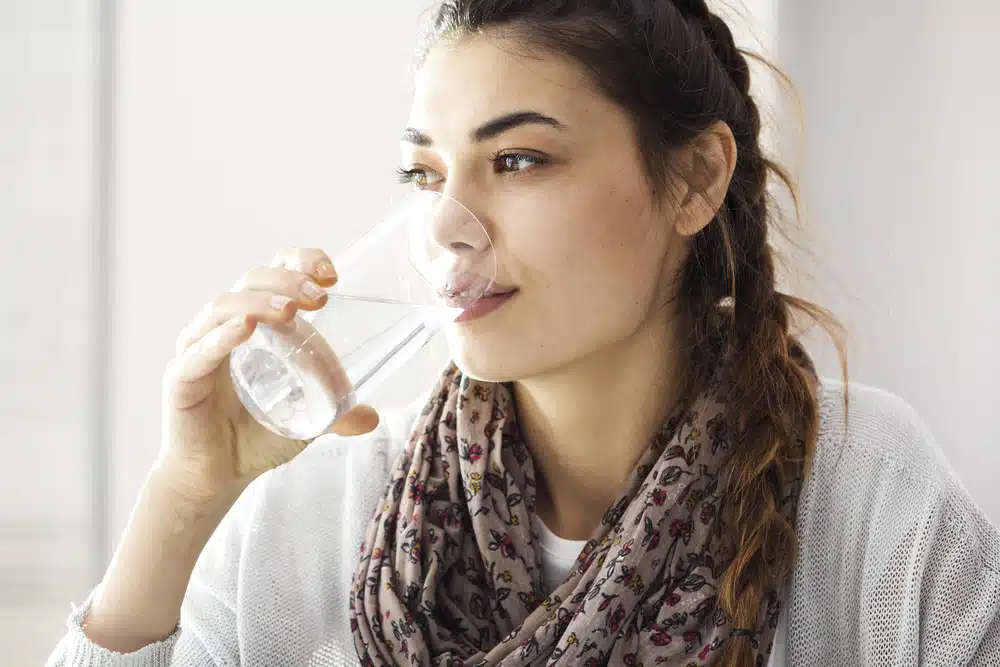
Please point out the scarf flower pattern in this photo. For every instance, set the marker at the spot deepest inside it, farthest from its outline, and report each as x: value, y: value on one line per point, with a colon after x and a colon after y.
x: 449, y: 573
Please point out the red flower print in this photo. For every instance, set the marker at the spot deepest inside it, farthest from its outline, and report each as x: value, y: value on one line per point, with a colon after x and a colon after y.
x: 501, y: 542
x: 473, y: 453
x: 659, y: 497
x: 654, y: 540
x: 661, y: 638
x: 671, y: 600
x: 681, y: 529
x: 418, y: 489
x: 606, y: 602
x: 651, y: 539
x: 616, y: 618
x: 704, y: 652
x: 707, y: 514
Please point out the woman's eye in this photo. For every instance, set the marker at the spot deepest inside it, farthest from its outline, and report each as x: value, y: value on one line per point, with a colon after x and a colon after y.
x: 508, y: 163
x: 419, y: 178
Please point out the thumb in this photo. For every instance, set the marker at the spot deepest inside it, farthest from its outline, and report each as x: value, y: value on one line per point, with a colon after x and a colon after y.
x: 359, y: 420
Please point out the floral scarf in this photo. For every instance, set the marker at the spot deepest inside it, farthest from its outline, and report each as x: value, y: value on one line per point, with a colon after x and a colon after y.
x: 450, y: 574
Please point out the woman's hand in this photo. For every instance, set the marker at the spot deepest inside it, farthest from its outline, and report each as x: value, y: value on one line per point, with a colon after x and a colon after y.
x: 212, y: 449
x: 211, y: 445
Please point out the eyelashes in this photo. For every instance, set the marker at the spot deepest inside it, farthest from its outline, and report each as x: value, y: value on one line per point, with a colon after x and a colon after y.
x: 507, y: 164
x: 411, y: 176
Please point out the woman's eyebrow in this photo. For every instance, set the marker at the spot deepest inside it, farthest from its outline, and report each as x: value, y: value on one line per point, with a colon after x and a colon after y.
x: 490, y: 129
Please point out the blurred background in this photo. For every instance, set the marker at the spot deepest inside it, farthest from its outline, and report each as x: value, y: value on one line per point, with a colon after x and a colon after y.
x: 150, y: 152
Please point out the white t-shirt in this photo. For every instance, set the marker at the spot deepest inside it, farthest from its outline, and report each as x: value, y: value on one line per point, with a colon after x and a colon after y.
x: 559, y: 554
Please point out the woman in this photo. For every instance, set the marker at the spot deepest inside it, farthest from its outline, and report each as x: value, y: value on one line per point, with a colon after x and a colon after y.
x: 631, y: 462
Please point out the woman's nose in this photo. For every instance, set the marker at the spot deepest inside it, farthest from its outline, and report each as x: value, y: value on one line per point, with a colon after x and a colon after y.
x: 459, y: 247
x: 454, y: 228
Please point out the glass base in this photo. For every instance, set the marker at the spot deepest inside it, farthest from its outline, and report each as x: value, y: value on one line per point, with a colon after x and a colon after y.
x: 291, y: 381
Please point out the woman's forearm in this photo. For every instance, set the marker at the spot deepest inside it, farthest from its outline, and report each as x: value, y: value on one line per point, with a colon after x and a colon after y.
x: 139, y: 599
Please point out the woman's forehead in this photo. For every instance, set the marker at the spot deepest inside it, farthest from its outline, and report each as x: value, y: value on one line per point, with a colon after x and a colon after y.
x: 464, y: 83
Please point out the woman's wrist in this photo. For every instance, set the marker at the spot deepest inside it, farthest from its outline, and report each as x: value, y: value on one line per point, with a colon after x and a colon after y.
x: 190, y: 498
x: 138, y: 601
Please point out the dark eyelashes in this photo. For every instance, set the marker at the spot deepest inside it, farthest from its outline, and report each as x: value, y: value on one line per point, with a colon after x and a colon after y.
x: 498, y: 159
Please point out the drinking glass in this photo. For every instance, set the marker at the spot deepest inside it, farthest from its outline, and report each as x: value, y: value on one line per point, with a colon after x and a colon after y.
x: 428, y: 262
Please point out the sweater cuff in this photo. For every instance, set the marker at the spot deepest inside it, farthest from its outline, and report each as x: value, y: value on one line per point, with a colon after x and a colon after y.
x: 83, y: 652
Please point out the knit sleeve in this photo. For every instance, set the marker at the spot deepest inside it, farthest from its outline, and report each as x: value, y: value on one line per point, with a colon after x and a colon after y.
x: 896, y: 564
x: 207, y: 632
x: 960, y: 589
x: 988, y: 652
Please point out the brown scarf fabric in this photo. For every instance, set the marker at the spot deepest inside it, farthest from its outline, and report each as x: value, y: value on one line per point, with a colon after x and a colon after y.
x: 450, y: 574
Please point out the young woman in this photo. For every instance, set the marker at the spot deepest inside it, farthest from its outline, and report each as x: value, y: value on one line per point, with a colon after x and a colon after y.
x: 631, y: 461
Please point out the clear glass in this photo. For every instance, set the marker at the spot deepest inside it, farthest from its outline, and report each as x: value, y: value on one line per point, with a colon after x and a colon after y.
x: 419, y: 269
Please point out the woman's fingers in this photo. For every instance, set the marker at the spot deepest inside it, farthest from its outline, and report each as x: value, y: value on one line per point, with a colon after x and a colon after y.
x: 283, y: 281
x: 266, y: 294
x: 360, y: 420
x: 246, y: 306
x: 206, y: 355
x: 201, y: 359
x: 316, y: 265
x: 312, y: 262
x: 297, y: 279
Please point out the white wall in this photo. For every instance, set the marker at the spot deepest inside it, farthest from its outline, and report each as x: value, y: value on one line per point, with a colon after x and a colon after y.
x: 899, y: 169
x: 47, y: 79
x: 244, y: 127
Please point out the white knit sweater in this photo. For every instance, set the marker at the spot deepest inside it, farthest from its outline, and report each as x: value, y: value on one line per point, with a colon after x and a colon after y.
x: 896, y: 565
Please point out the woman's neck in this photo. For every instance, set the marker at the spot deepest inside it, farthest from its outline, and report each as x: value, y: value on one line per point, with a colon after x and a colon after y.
x: 588, y: 423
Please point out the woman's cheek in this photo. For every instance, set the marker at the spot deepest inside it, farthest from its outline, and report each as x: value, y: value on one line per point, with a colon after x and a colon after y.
x: 577, y: 229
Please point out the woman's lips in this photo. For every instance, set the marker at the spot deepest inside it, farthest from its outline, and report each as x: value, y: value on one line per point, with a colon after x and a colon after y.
x: 484, y: 305
x: 463, y: 301
x: 468, y: 283
x: 475, y: 295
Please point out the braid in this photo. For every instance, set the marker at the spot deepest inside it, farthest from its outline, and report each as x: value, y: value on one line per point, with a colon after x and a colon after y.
x: 720, y: 38
x: 772, y: 405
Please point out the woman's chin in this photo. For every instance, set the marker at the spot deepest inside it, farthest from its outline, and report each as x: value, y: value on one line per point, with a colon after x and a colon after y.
x: 477, y: 359
x: 484, y: 369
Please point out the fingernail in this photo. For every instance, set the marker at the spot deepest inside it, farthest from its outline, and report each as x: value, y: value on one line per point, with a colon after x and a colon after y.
x: 325, y: 270
x: 279, y: 301
x: 312, y: 290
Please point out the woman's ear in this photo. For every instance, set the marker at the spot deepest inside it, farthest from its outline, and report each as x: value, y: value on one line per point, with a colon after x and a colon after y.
x: 705, y: 167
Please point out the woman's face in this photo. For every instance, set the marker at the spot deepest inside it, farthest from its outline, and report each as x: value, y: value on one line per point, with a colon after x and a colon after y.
x: 552, y: 170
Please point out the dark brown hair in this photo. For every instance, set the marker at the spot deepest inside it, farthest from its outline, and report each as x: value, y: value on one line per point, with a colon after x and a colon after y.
x: 674, y: 66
